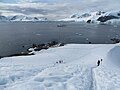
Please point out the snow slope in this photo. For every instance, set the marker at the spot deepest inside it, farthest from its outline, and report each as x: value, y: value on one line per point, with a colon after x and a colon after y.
x: 100, y: 17
x: 108, y: 75
x: 77, y: 72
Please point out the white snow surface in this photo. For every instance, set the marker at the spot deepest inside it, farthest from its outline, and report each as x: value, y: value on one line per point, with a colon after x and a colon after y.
x: 79, y: 70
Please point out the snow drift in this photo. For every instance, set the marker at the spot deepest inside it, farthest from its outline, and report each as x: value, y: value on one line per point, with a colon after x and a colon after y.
x: 113, y: 55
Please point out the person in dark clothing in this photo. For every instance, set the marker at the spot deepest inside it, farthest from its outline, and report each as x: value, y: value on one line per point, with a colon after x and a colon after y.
x: 60, y: 61
x: 101, y: 61
x: 98, y: 63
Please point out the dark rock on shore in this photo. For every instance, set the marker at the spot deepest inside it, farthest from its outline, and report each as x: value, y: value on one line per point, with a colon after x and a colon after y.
x: 90, y: 42
x: 52, y: 43
x: 36, y: 47
x: 115, y: 40
x: 61, y: 44
x: 39, y: 47
x: 1, y: 57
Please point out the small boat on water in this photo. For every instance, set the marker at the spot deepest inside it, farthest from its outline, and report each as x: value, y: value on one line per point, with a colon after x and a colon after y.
x: 61, y: 25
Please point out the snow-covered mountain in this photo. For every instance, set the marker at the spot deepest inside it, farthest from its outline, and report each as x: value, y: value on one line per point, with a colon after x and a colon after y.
x: 3, y: 18
x: 96, y: 17
x: 21, y: 18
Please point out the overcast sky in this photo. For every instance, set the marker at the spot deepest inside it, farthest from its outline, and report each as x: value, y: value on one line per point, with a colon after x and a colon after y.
x: 54, y: 9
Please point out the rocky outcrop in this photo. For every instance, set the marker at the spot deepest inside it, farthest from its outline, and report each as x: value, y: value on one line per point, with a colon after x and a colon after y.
x: 39, y: 47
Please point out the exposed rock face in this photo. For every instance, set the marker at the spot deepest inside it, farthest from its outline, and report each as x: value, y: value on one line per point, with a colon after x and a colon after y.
x: 89, y: 21
x: 118, y: 14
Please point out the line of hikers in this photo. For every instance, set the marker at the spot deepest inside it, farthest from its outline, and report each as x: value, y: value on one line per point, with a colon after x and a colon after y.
x: 60, y: 61
x: 99, y: 62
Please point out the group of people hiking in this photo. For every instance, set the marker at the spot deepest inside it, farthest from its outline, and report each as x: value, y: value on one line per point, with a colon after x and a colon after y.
x: 99, y: 62
x: 59, y: 62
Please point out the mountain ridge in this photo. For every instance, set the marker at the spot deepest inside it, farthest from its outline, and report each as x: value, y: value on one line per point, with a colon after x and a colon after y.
x: 95, y: 17
x: 21, y: 18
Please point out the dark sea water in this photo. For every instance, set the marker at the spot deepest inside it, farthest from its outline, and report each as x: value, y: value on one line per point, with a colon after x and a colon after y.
x: 15, y: 35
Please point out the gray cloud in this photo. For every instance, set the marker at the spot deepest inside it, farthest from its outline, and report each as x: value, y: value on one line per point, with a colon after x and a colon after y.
x: 27, y: 11
x: 56, y: 8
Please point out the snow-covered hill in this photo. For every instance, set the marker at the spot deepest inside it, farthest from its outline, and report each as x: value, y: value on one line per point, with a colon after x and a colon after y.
x: 78, y: 71
x: 22, y: 18
x: 100, y: 17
